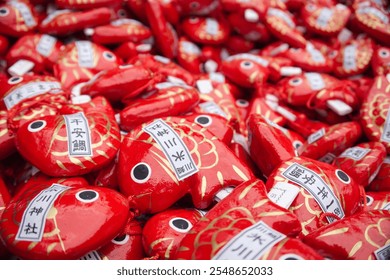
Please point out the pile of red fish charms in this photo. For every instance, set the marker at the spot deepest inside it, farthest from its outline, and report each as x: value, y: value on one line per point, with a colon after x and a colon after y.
x: 195, y: 129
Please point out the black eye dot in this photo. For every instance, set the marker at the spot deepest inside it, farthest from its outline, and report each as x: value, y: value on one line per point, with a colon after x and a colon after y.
x: 120, y: 238
x: 368, y: 199
x: 181, y: 224
x: 87, y: 195
x: 141, y: 172
x: 3, y: 11
x: 343, y: 176
x: 291, y: 259
x: 37, y: 124
x: 14, y: 79
x: 203, y: 120
x: 247, y: 63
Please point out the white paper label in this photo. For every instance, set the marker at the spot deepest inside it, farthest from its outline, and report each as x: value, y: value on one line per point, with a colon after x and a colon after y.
x: 28, y: 90
x: 204, y: 86
x: 282, y: 15
x: 316, y: 136
x: 355, y: 153
x: 79, y: 135
x: 251, y: 57
x: 385, y: 137
x: 212, y: 108
x: 283, y: 194
x: 46, y: 45
x: 383, y: 253
x: 315, y: 185
x: 33, y: 222
x: 386, y: 207
x: 212, y: 26
x: 53, y: 15
x: 328, y: 158
x: 323, y: 18
x: 349, y: 59
x: 174, y: 148
x: 91, y: 256
x: 25, y: 12
x: 190, y: 48
x: 315, y: 80
x: 315, y: 54
x: 85, y: 54
x: 375, y: 12
x: 123, y: 21
x: 251, y: 243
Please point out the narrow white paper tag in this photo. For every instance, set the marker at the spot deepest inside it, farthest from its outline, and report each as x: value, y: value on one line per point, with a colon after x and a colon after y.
x: 383, y: 253
x: 283, y: 194
x: 251, y: 243
x: 349, y: 59
x: 174, y: 148
x: 85, y: 54
x: 386, y: 207
x: 25, y: 13
x: 21, y: 67
x: 33, y: 222
x: 204, y: 86
x: 315, y: 185
x: 45, y: 45
x: 374, y: 11
x: 315, y: 81
x: 316, y: 136
x: 385, y: 137
x: 28, y: 90
x: 91, y: 256
x: 190, y: 48
x: 355, y: 153
x: 282, y: 15
x: 212, y: 26
x: 315, y: 54
x: 212, y: 108
x: 79, y: 135
x: 323, y: 18
x: 248, y: 56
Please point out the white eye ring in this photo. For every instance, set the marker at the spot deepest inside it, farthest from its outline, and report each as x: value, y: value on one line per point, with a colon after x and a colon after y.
x: 37, y: 125
x: 173, y: 226
x: 295, y: 82
x: 246, y: 64
x: 342, y: 176
x: 137, y: 173
x: 290, y: 257
x: 87, y: 196
x: 122, y: 13
x: 15, y: 80
x: 369, y: 199
x: 4, y: 12
x: 242, y: 103
x: 108, y: 56
x: 193, y: 20
x: 121, y: 242
x: 204, y: 120
x: 383, y: 53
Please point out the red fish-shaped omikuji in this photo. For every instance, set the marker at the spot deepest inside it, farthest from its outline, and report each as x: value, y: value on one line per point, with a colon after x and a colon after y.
x: 71, y: 144
x: 380, y: 62
x: 364, y: 236
x: 168, y: 100
x: 381, y: 183
x: 41, y: 49
x: 120, y: 31
x: 81, y: 60
x: 281, y: 24
x: 60, y: 221
x: 119, y: 84
x: 164, y: 231
x: 17, y: 18
x: 259, y: 7
x: 211, y: 31
x: 322, y: 193
x: 127, y: 245
x: 189, y: 56
x: 87, y: 4
x: 374, y: 112
x: 362, y: 162
x: 65, y: 22
x: 165, y: 159
x: 324, y: 20
x: 16, y: 89
x: 334, y: 139
x: 242, y: 212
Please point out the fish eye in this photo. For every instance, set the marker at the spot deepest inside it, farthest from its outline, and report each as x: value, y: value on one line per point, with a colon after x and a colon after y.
x: 242, y: 103
x: 369, y: 199
x: 141, y: 173
x: 342, y: 176
x: 180, y: 225
x: 295, y: 82
x: 246, y: 64
x: 204, y: 120
x: 384, y: 53
x: 87, y: 196
x: 121, y: 239
x: 297, y: 144
x: 310, y: 7
x: 4, y: 11
x: 194, y: 5
x: 15, y: 80
x: 122, y: 13
x: 109, y: 56
x: 36, y: 126
x: 333, y: 54
x: 290, y: 257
